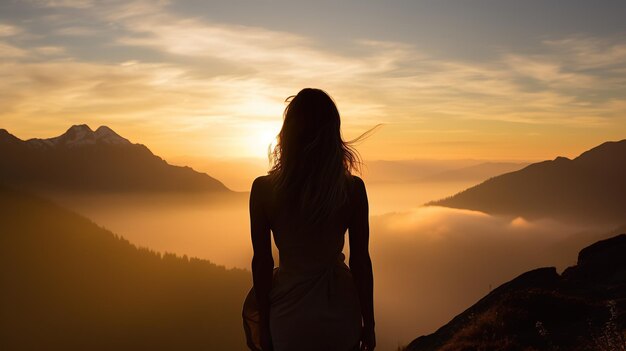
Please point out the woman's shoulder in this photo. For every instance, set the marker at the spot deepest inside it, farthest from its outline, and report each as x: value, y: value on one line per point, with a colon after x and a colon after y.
x: 357, y: 186
x: 357, y: 180
x: 260, y: 182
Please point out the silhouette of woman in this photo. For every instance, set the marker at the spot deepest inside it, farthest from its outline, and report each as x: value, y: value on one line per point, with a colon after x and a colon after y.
x: 308, y: 199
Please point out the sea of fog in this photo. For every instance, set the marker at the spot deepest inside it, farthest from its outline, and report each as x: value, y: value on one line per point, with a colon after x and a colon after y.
x: 430, y: 263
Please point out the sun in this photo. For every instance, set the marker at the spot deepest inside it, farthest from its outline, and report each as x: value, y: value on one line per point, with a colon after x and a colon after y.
x: 261, y: 119
x: 260, y: 136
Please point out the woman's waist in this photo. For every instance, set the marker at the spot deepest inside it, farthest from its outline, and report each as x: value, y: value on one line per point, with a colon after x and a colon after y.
x: 311, y: 265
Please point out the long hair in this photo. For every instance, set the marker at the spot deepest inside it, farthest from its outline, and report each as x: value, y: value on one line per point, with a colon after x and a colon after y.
x: 311, y: 163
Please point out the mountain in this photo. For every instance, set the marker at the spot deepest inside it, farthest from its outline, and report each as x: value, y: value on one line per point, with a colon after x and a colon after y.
x: 591, y: 188
x: 477, y: 172
x: 582, y: 309
x: 407, y: 171
x: 424, y: 170
x: 68, y: 284
x: 83, y: 160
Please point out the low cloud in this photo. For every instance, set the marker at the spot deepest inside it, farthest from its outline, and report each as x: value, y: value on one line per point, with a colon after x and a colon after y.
x: 432, y: 263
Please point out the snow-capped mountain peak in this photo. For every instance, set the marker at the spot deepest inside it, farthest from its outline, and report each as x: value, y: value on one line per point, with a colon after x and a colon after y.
x: 80, y: 135
x: 106, y: 135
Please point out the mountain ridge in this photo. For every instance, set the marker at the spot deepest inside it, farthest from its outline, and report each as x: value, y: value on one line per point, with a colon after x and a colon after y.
x: 81, y: 134
x: 478, y: 172
x: 587, y: 188
x: 69, y: 284
x: 83, y: 160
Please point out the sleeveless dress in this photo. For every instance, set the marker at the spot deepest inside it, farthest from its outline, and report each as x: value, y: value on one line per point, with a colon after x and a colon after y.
x: 314, y: 304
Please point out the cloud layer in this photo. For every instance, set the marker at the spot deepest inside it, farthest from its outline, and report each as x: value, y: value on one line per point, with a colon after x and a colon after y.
x: 430, y: 263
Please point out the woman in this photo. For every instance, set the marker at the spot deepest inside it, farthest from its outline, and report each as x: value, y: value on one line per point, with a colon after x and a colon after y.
x: 308, y: 199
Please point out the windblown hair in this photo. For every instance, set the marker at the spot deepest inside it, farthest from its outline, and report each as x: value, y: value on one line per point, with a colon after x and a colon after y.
x: 311, y: 164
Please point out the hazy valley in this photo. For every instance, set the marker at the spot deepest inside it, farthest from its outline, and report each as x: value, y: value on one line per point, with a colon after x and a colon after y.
x: 430, y: 262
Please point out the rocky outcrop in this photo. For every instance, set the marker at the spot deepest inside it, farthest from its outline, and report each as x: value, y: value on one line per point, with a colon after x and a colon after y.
x: 582, y: 309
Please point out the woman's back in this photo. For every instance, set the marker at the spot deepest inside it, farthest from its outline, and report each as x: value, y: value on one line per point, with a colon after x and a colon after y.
x: 308, y: 199
x: 314, y: 299
x: 304, y: 247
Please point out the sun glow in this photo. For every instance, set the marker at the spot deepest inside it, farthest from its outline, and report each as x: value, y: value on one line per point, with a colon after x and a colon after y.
x: 261, y: 136
x: 261, y: 107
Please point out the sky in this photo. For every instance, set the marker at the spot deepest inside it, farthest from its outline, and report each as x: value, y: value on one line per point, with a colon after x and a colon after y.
x: 496, y: 80
x: 197, y: 80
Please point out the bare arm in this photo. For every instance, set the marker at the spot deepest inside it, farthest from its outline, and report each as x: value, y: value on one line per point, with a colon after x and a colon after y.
x: 360, y: 262
x: 262, y: 262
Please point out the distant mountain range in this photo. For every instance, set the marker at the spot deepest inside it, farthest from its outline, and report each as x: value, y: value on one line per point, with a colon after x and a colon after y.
x: 83, y: 160
x: 591, y: 187
x: 476, y: 173
x: 424, y: 170
x: 68, y: 284
x: 582, y: 309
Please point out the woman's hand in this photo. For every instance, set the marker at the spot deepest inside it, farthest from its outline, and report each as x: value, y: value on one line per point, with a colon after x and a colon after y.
x: 368, y: 339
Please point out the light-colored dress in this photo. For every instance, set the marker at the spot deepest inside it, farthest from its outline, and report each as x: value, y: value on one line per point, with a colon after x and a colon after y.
x: 314, y: 300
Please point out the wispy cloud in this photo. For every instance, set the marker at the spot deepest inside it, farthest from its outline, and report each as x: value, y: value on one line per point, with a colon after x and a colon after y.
x: 75, y: 4
x: 396, y: 73
x: 7, y: 30
x: 586, y: 52
x: 193, y: 73
x: 10, y: 51
x: 49, y: 50
x: 77, y: 31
